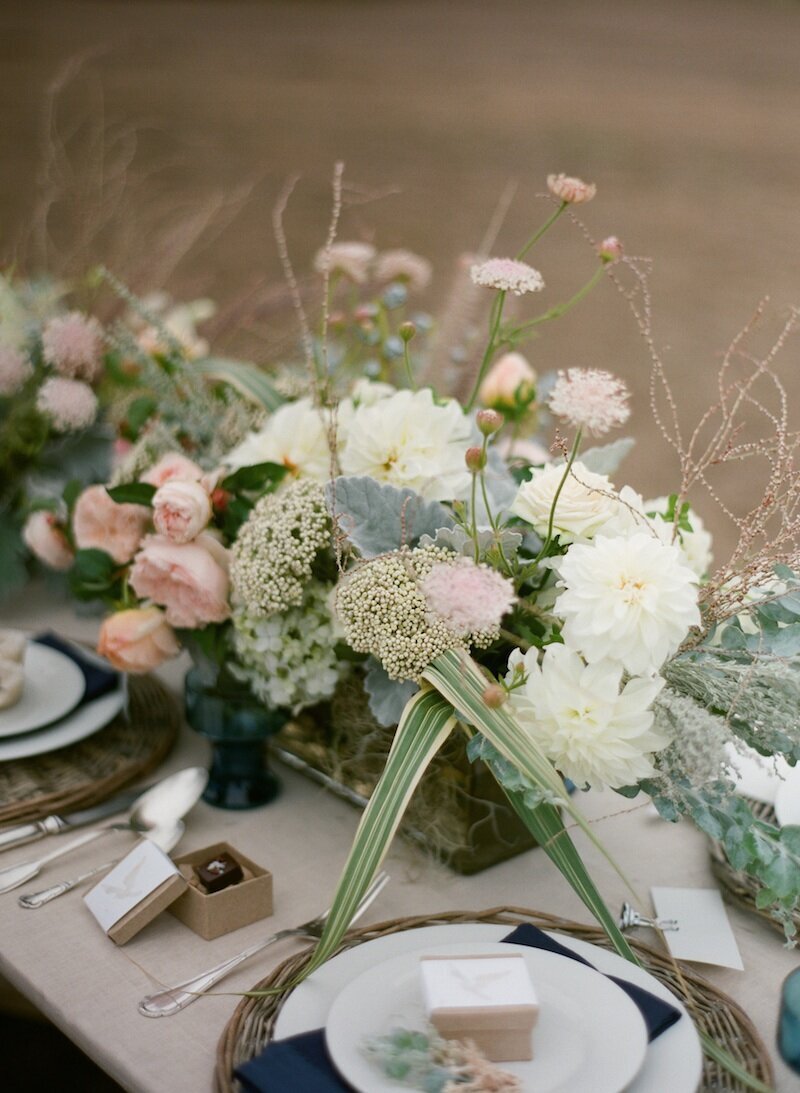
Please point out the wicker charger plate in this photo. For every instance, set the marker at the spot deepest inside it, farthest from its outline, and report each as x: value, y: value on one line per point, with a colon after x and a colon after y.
x: 90, y: 771
x: 739, y: 886
x: 250, y: 1027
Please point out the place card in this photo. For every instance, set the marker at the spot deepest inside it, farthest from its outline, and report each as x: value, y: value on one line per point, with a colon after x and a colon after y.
x: 704, y: 935
x: 136, y: 890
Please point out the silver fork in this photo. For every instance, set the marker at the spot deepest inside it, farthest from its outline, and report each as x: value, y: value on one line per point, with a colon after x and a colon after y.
x: 172, y: 1000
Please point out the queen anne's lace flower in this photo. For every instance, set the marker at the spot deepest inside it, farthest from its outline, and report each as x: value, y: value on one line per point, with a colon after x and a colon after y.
x: 70, y: 404
x: 574, y: 191
x: 384, y: 611
x: 297, y: 436
x: 289, y: 659
x: 276, y: 546
x: 630, y: 599
x: 15, y: 370
x: 73, y: 345
x: 410, y: 440
x: 467, y: 596
x: 590, y: 399
x: 594, y: 733
x: 508, y: 275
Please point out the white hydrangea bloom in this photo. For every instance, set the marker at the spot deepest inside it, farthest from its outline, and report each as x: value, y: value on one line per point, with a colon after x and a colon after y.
x: 410, y: 440
x: 630, y: 599
x: 594, y: 733
x: 695, y: 544
x: 296, y: 435
x: 289, y: 659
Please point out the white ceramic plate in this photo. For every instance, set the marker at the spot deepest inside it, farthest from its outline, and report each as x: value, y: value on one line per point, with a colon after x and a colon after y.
x: 756, y: 775
x: 674, y: 1061
x: 54, y: 685
x: 590, y: 1037
x: 83, y: 722
x: 787, y: 798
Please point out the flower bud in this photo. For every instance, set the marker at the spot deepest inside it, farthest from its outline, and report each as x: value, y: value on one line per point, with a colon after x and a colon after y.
x: 510, y: 384
x: 610, y: 250
x: 475, y: 458
x: 494, y: 696
x: 407, y: 331
x: 489, y: 421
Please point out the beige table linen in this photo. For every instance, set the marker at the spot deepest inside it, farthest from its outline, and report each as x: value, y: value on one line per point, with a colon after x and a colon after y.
x: 58, y: 957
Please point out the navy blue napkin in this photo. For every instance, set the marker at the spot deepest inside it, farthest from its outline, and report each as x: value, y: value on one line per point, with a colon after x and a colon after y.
x: 302, y: 1062
x: 99, y: 680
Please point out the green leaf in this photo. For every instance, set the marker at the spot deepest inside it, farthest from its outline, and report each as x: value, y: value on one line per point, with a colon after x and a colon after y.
x: 139, y: 413
x: 93, y: 574
x: 606, y: 458
x: 132, y: 493
x: 72, y: 492
x: 247, y: 378
x: 255, y: 477
x: 426, y: 723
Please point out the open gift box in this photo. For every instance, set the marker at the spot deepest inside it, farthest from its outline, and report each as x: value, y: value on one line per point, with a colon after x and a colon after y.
x: 212, y: 914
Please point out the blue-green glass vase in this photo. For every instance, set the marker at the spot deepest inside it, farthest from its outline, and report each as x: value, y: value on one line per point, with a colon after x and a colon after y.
x: 226, y: 712
x: 789, y: 1021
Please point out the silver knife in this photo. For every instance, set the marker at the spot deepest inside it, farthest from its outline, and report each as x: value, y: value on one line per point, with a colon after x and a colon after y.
x: 55, y: 825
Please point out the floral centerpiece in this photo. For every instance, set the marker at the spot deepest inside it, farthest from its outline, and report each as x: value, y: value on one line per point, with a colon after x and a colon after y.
x: 475, y: 582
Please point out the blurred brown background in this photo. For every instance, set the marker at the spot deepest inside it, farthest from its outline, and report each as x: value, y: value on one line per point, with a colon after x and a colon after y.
x: 685, y: 114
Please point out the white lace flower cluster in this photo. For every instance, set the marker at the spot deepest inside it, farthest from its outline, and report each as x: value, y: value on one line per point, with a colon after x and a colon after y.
x: 276, y: 546
x: 289, y: 659
x: 384, y: 611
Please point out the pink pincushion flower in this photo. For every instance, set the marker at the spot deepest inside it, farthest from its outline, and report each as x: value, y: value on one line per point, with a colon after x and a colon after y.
x: 590, y: 399
x: 99, y: 523
x: 172, y: 465
x: 183, y: 578
x: 573, y: 191
x: 15, y: 370
x: 508, y: 275
x: 73, y: 345
x: 469, y: 598
x: 611, y: 249
x: 70, y: 404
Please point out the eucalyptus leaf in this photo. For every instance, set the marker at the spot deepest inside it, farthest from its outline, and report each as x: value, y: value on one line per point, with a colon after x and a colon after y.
x: 379, y: 518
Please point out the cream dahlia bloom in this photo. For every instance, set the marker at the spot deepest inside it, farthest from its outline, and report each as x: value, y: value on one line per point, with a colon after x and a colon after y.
x: 594, y: 733
x: 695, y: 544
x: 410, y: 440
x: 630, y: 599
x: 296, y: 435
x: 586, y: 504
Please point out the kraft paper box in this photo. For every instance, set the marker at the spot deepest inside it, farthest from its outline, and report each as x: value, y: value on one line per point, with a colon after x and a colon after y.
x: 134, y: 892
x: 219, y: 913
x: 485, y: 998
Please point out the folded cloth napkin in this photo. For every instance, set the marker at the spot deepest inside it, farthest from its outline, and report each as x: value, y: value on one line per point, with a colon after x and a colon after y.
x: 302, y: 1062
x: 99, y: 680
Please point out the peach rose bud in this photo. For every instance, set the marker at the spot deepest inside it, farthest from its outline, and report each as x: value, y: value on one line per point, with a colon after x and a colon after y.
x: 44, y: 537
x: 181, y: 510
x: 172, y: 465
x: 100, y: 523
x: 137, y: 640
x: 509, y: 384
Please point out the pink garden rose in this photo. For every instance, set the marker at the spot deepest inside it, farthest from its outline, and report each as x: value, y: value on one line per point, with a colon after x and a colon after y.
x: 181, y: 510
x: 100, y: 523
x: 137, y: 640
x: 509, y: 382
x: 45, y: 539
x: 172, y: 465
x: 184, y: 578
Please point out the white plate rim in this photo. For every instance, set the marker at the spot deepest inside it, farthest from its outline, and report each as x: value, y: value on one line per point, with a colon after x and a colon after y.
x: 80, y: 724
x: 677, y: 1052
x: 787, y: 799
x: 51, y: 703
x: 627, y: 1037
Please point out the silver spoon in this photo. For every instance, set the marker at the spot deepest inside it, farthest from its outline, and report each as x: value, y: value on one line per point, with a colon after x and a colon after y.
x: 159, y: 806
x: 163, y: 837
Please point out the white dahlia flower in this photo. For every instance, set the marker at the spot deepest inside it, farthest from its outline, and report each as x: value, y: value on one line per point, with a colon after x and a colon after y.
x: 408, y: 439
x: 594, y: 733
x: 630, y: 599
x: 296, y: 435
x: 587, y: 502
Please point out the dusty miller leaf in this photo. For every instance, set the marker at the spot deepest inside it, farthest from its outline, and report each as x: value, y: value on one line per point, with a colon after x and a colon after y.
x: 606, y: 458
x: 387, y: 697
x: 378, y: 518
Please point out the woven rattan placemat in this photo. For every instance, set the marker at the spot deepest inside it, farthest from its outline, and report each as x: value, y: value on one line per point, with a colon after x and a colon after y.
x: 250, y: 1027
x: 90, y: 771
x: 739, y: 886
